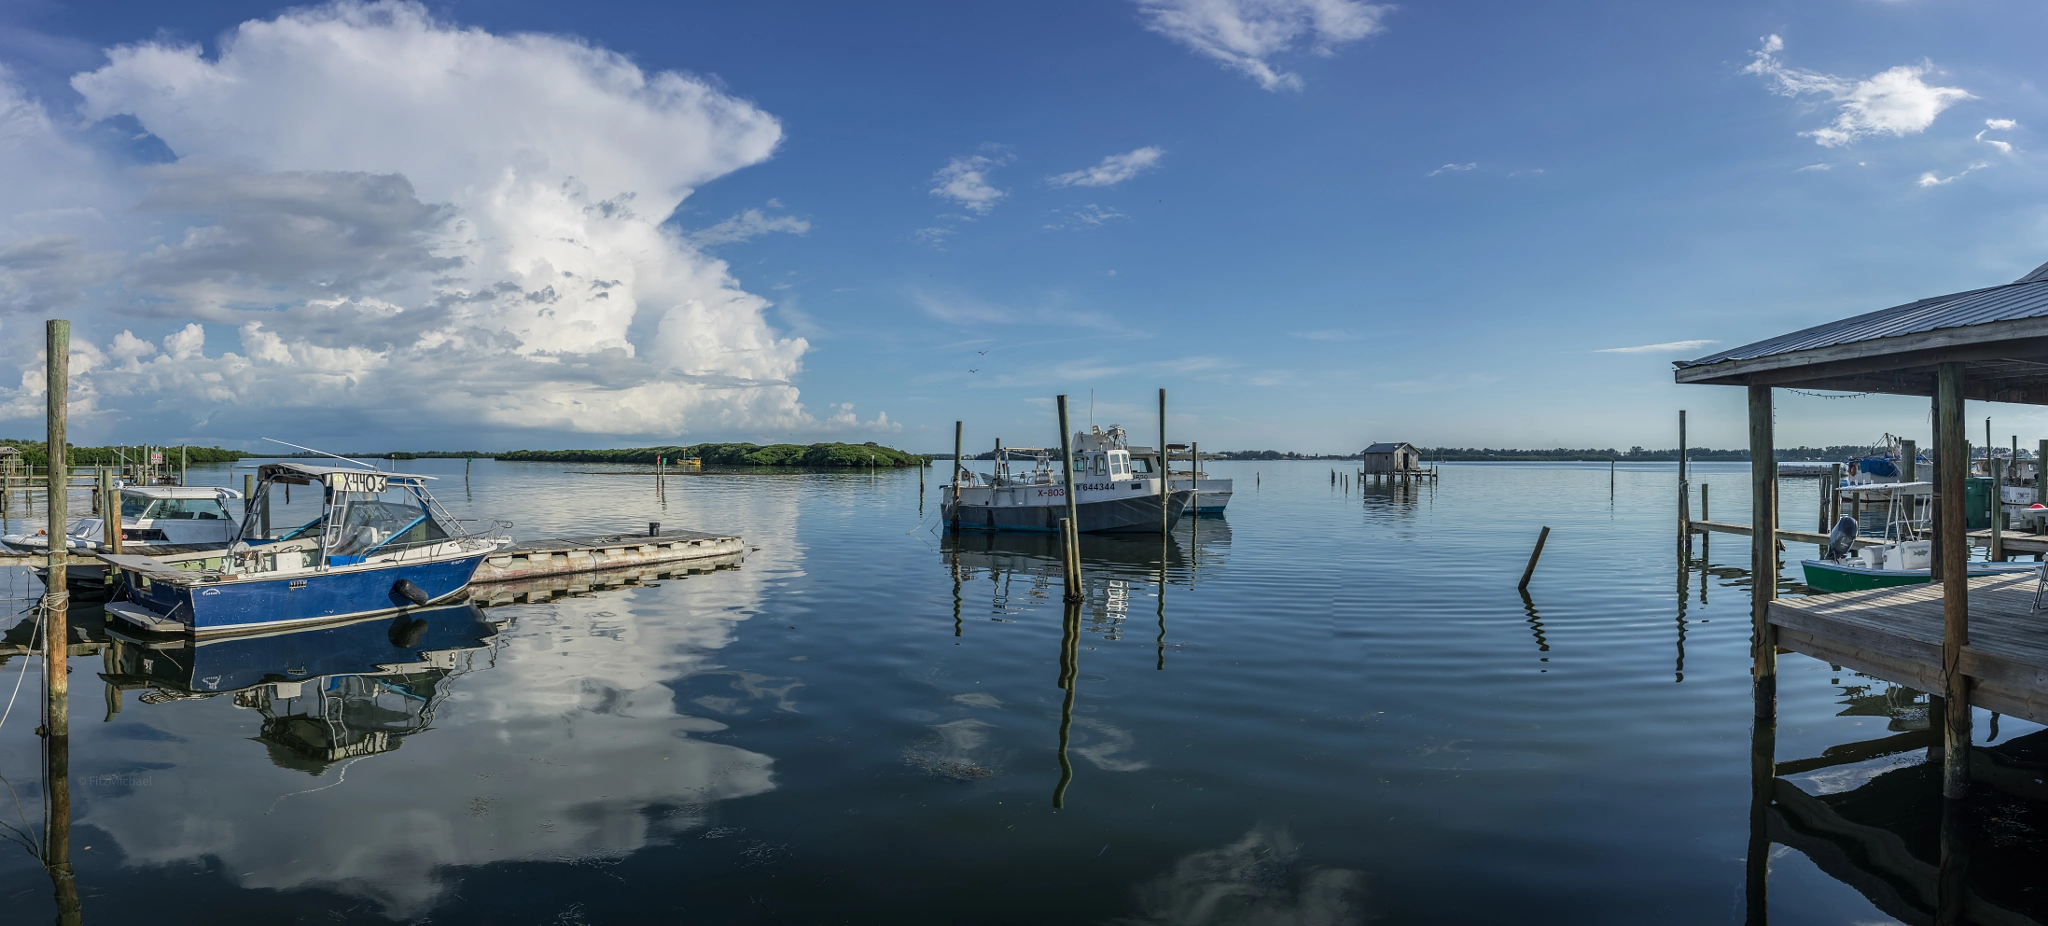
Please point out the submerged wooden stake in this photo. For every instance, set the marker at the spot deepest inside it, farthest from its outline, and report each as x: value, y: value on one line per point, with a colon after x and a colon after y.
x: 1534, y: 555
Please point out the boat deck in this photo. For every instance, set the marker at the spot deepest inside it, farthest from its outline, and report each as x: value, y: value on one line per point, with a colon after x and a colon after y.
x: 1895, y: 634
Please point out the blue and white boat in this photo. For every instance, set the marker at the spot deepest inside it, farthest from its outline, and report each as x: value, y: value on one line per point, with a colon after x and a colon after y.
x: 370, y: 543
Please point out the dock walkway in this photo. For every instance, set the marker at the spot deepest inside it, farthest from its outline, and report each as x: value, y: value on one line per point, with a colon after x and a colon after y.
x: 1895, y: 634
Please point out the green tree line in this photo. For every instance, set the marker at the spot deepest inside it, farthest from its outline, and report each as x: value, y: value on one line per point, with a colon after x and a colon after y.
x: 821, y: 455
x: 37, y: 453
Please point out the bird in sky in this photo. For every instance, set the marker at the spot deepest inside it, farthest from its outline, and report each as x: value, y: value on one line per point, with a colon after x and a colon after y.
x: 982, y: 352
x: 973, y: 371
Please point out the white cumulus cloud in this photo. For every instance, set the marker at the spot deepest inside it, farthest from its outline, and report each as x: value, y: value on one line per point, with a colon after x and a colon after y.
x: 1113, y: 170
x: 752, y: 223
x: 964, y: 180
x: 1245, y: 35
x: 426, y: 225
x: 1895, y: 102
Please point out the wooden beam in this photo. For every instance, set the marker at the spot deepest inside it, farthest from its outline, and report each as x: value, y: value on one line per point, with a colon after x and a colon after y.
x: 1724, y: 527
x: 1951, y: 466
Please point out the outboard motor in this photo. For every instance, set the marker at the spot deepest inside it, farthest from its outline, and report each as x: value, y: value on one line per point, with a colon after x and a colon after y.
x: 1841, y: 540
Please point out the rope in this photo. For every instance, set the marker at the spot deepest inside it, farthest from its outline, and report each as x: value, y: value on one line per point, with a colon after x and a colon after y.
x: 23, y: 673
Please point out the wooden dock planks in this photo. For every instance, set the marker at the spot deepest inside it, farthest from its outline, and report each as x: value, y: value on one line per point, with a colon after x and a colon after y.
x: 1895, y: 634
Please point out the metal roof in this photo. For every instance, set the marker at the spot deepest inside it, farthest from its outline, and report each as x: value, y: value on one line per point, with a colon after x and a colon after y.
x: 1389, y: 446
x: 1956, y: 310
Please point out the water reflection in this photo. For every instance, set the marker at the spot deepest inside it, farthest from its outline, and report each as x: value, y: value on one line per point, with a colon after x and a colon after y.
x: 541, y: 731
x: 1259, y: 879
x: 325, y: 695
x: 1870, y: 814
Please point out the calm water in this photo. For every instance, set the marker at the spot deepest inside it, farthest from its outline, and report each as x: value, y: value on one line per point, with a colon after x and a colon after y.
x: 1342, y: 711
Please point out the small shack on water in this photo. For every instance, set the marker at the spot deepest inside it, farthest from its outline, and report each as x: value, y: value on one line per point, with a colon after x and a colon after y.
x: 1396, y: 457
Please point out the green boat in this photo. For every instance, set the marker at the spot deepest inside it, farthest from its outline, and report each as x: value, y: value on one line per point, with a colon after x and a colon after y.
x: 1853, y: 576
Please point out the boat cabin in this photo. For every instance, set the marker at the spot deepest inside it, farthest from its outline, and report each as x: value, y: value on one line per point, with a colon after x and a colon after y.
x: 342, y: 517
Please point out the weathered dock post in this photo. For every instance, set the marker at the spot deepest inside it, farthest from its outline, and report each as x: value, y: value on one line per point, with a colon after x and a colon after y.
x: 1684, y: 492
x: 57, y: 622
x: 1165, y: 474
x: 1834, y: 497
x: 1997, y: 468
x: 1951, y: 467
x: 1763, y: 552
x: 958, y: 467
x: 1072, y: 534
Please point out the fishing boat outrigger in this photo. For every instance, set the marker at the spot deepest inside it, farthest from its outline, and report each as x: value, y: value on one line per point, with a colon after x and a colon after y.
x: 380, y: 543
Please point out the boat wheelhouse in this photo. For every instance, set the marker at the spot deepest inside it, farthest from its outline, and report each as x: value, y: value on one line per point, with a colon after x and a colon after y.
x: 1108, y: 494
x: 1212, y: 494
x: 360, y: 542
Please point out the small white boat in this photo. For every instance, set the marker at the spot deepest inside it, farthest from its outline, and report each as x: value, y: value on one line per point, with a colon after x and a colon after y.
x: 152, y: 516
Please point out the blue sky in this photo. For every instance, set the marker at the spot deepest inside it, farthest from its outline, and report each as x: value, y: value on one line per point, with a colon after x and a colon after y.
x: 1316, y: 222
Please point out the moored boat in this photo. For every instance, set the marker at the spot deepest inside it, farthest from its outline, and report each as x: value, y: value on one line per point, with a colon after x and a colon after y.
x: 379, y: 543
x: 1108, y: 495
x: 1212, y: 494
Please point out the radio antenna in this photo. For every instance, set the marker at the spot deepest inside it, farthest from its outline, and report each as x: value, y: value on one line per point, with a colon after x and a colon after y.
x: 321, y: 452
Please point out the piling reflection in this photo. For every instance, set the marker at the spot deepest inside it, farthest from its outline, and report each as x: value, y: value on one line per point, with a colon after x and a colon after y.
x: 1870, y: 814
x: 1022, y: 573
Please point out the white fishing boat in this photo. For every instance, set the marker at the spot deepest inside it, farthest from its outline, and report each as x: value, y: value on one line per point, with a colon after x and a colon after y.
x: 1212, y: 494
x: 1108, y: 494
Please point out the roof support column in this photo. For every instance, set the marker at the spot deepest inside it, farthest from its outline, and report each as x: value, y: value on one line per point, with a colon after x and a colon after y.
x: 1952, y: 466
x: 1763, y: 556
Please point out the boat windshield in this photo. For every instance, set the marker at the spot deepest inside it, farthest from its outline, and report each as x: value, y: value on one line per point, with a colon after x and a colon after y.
x: 137, y: 508
x: 369, y: 525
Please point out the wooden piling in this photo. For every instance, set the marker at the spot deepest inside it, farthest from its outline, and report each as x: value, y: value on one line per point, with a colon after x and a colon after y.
x: 57, y: 615
x: 1684, y: 491
x: 1530, y: 571
x: 1834, y: 495
x: 1909, y: 461
x: 1166, y: 471
x: 958, y: 468
x: 1952, y: 467
x: 1763, y: 551
x: 1997, y: 468
x: 1073, y: 529
x: 2041, y: 474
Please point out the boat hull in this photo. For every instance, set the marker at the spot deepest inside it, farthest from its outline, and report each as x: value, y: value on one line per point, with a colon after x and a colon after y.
x: 1130, y: 513
x: 290, y: 599
x: 1823, y: 576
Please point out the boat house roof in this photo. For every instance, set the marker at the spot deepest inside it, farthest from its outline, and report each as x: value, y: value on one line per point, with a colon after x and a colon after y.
x: 1999, y: 333
x: 1389, y: 446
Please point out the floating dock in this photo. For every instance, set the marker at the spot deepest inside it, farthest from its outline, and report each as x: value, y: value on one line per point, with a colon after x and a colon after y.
x: 603, y: 552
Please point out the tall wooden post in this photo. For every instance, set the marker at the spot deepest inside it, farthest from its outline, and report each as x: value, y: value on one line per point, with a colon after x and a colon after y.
x: 1909, y: 461
x: 959, y: 466
x: 1073, y: 534
x: 1195, y: 482
x: 1763, y: 520
x: 1955, y: 586
x: 57, y: 622
x: 1166, y: 471
x: 1834, y: 495
x: 1684, y: 492
x: 1997, y: 468
x: 2041, y: 473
